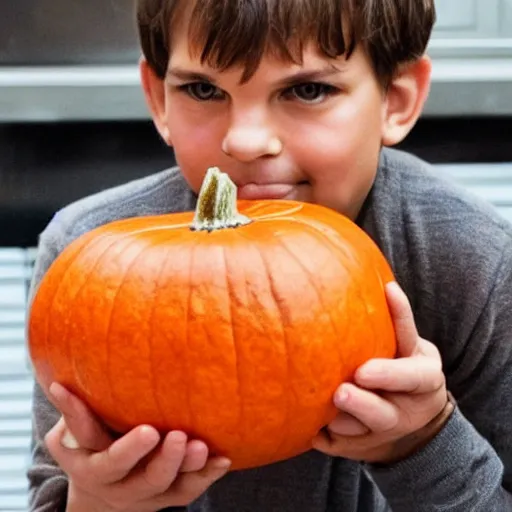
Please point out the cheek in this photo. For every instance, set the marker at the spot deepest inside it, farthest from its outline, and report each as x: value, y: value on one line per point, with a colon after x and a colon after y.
x: 339, y: 152
x: 195, y: 147
x: 338, y: 141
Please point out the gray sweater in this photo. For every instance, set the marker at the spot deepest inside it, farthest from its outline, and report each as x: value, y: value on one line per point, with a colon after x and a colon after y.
x: 452, y: 254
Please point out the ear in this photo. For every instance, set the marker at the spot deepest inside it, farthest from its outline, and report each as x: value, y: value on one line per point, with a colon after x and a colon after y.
x: 405, y: 99
x: 154, y: 93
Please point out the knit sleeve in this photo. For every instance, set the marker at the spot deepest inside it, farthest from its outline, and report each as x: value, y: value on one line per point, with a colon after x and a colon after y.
x: 47, y: 483
x: 468, y: 465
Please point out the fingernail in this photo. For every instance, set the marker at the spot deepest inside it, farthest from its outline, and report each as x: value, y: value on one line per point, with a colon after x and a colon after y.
x: 149, y: 435
x: 69, y: 441
x: 394, y: 286
x: 57, y: 391
x: 222, y: 463
x: 177, y: 436
x: 341, y: 396
x: 372, y: 372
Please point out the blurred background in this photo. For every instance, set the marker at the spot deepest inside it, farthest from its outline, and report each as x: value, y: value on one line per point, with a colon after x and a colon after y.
x: 73, y: 121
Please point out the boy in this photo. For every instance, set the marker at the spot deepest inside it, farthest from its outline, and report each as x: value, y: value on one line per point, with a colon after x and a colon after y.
x: 296, y: 99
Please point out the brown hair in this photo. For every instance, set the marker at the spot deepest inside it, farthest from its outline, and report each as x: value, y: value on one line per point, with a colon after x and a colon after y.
x: 239, y: 32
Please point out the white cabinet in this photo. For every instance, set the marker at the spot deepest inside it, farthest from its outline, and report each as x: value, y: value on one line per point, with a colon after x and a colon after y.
x: 506, y: 18
x: 482, y: 26
x: 467, y: 18
x: 471, y: 49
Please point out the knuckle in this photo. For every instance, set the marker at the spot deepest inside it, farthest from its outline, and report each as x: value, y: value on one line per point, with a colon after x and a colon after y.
x: 389, y: 423
x: 153, y: 486
x: 52, y: 441
x: 410, y: 422
x: 441, y: 380
x: 110, y: 459
x: 430, y: 350
x: 427, y: 377
x: 436, y: 377
x: 416, y: 384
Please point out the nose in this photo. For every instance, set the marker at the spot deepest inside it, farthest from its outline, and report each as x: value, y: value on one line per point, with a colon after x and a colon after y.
x: 247, y: 143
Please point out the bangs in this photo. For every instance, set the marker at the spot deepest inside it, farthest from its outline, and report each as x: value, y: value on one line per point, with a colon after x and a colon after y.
x: 239, y: 33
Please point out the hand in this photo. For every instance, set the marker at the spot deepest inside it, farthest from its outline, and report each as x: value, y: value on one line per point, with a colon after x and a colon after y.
x: 138, y: 472
x: 395, y: 406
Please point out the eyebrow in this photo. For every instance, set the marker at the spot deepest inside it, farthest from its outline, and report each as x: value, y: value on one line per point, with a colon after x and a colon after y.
x: 297, y: 78
x: 315, y: 75
x: 188, y: 76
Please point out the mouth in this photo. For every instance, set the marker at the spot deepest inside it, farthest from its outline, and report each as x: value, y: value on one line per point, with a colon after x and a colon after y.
x: 254, y: 191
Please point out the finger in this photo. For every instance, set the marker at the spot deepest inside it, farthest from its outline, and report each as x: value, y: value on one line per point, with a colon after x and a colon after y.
x: 323, y: 442
x: 336, y: 446
x: 414, y: 375
x: 72, y: 461
x: 373, y: 411
x: 403, y: 320
x: 55, y: 441
x: 196, y: 455
x: 346, y: 425
x: 162, y: 468
x: 84, y: 429
x: 68, y: 440
x: 189, y: 486
x: 115, y: 463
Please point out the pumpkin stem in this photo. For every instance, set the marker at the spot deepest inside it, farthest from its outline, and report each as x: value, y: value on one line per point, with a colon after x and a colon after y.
x: 216, y: 205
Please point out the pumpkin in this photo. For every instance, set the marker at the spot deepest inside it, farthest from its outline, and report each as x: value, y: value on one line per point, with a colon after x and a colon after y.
x: 234, y: 323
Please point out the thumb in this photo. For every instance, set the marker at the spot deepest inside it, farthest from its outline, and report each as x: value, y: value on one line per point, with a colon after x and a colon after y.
x: 68, y: 440
x: 83, y: 429
x: 403, y: 320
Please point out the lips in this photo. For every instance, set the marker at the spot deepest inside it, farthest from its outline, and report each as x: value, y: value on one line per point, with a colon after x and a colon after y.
x: 254, y: 191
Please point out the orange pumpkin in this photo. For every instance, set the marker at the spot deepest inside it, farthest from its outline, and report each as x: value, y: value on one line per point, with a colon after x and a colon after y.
x: 237, y: 336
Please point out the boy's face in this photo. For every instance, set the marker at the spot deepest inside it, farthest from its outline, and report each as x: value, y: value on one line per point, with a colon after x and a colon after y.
x: 311, y: 133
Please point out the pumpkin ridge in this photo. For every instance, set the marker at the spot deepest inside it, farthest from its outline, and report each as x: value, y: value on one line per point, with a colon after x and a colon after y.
x: 239, y: 373
x: 272, y: 216
x: 151, y: 321
x: 62, y: 274
x: 188, y: 392
x: 286, y: 345
x: 163, y: 227
x: 314, y: 286
x: 339, y: 249
x: 69, y: 343
x: 254, y: 244
x: 360, y: 294
x: 334, y: 241
x: 112, y: 307
x: 329, y: 234
x: 359, y: 280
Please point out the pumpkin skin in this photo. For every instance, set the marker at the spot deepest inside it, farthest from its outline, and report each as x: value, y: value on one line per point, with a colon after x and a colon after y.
x: 238, y: 336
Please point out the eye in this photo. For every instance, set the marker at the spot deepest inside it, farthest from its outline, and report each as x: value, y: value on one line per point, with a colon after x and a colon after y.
x: 202, y: 91
x: 311, y: 92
